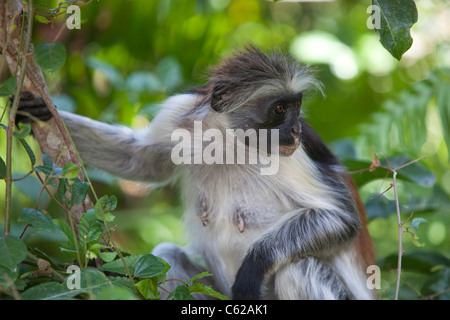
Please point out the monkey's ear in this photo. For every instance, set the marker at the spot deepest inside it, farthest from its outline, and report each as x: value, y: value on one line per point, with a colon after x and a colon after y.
x: 218, y: 96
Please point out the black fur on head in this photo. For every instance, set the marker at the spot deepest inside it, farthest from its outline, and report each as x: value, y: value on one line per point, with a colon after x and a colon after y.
x: 251, y: 71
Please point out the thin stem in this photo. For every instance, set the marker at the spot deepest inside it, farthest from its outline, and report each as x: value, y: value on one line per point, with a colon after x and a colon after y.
x: 397, y: 207
x: 400, y: 236
x: 11, y: 121
x: 409, y: 163
x: 44, y: 184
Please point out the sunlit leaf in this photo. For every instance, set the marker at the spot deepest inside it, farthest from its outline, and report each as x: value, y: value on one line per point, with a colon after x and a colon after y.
x: 415, y: 240
x: 2, y: 169
x: 149, y: 288
x: 8, y: 87
x: 397, y: 18
x: 29, y: 151
x: 103, y: 208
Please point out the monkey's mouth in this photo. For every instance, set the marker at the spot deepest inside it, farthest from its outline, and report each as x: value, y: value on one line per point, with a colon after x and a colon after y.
x: 287, y: 150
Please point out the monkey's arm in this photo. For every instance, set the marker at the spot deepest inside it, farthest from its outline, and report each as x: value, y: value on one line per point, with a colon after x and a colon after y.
x: 306, y: 232
x: 131, y: 154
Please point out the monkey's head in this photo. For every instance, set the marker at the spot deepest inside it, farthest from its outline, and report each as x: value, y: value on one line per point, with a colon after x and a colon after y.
x: 262, y: 91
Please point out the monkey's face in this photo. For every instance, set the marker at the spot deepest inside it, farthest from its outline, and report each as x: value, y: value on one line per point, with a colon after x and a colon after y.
x: 273, y: 113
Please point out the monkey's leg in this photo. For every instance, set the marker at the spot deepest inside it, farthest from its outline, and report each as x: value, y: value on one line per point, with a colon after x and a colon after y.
x: 308, y: 279
x: 182, y: 268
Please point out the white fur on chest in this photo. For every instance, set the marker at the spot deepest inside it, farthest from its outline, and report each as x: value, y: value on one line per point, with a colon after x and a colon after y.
x: 267, y: 199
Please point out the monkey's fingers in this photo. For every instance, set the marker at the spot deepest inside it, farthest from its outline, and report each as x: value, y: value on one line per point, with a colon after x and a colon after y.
x: 31, y: 109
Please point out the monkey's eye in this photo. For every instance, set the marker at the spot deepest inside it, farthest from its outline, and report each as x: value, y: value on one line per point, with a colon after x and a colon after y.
x: 298, y: 105
x: 279, y: 109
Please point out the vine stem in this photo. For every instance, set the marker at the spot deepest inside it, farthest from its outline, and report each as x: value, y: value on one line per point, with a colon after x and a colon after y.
x: 11, y: 121
x: 400, y: 235
x: 376, y: 165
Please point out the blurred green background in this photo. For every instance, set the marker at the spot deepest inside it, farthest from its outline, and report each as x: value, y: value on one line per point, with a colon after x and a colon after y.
x: 130, y: 55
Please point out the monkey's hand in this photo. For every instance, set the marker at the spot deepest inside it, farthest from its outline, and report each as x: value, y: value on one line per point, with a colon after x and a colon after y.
x: 31, y: 109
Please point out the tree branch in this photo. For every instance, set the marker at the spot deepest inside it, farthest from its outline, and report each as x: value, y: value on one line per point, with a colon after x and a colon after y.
x: 51, y: 135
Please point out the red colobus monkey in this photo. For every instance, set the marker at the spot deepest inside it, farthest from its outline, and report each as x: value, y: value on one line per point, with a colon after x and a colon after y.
x: 296, y: 232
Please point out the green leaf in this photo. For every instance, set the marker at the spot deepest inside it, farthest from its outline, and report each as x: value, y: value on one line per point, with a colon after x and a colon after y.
x: 50, y: 56
x: 149, y: 266
x: 379, y: 206
x: 182, y: 293
x: 8, y: 87
x: 28, y: 150
x: 141, y: 266
x: 2, y: 169
x: 361, y: 178
x: 70, y: 171
x: 64, y: 227
x: 416, y: 172
x: 8, y: 277
x: 90, y: 228
x: 198, y: 287
x: 116, y: 293
x: 25, y: 129
x: 103, y: 208
x: 420, y: 261
x: 110, y: 72
x: 198, y: 276
x: 108, y: 256
x: 397, y: 18
x: 78, y: 190
x: 415, y: 240
x: 41, y: 222
x: 117, y: 266
x: 143, y: 81
x: 12, y: 251
x: 443, y: 103
x: 41, y: 19
x: 170, y: 73
x: 44, y: 169
x: 93, y: 281
x: 416, y: 222
x: 149, y: 288
x: 50, y: 291
x: 63, y: 187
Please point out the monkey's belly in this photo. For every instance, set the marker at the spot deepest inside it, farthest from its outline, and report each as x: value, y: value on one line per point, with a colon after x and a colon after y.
x: 231, y: 228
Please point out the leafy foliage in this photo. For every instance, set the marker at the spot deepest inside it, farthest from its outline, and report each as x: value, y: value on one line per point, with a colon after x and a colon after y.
x: 147, y: 270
